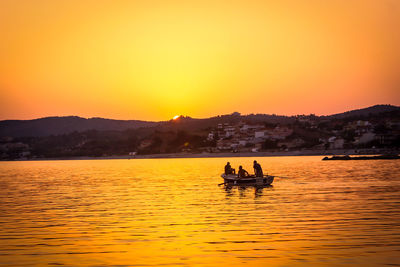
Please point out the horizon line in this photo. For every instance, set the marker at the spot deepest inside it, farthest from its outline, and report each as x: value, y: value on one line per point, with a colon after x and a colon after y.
x: 181, y: 115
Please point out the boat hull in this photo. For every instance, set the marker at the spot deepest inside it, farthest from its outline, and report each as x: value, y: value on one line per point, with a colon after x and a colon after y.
x: 233, y: 179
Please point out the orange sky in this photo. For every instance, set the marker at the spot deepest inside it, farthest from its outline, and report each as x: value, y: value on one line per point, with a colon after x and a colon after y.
x: 152, y: 60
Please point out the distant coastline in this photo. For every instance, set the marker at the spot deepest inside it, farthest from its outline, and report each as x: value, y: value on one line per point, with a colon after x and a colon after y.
x: 372, y: 130
x: 230, y: 155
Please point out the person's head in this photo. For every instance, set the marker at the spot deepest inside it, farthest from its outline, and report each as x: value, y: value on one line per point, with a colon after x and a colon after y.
x: 255, y: 161
x: 240, y: 167
x: 228, y: 163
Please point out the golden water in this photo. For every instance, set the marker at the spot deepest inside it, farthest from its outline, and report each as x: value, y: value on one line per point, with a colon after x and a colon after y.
x: 173, y: 212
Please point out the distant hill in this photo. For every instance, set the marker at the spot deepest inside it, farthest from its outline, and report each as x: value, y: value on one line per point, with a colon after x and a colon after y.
x: 364, y: 112
x: 64, y: 125
x: 187, y: 123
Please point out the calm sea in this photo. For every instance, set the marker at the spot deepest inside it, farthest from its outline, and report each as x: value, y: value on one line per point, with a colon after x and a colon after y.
x: 154, y: 212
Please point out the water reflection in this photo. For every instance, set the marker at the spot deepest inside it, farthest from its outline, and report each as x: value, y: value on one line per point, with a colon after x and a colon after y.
x: 172, y: 212
x: 243, y: 190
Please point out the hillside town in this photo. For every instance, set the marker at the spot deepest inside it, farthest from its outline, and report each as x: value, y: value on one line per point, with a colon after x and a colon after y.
x: 379, y: 133
x: 306, y: 133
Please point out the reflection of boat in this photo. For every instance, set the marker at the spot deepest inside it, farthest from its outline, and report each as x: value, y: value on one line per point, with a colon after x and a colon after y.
x: 233, y: 179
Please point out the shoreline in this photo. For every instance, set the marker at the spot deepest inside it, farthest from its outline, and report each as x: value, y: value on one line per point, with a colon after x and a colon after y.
x: 229, y: 155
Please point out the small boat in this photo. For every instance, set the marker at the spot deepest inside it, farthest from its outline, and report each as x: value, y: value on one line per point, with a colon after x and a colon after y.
x: 233, y: 179
x: 362, y: 157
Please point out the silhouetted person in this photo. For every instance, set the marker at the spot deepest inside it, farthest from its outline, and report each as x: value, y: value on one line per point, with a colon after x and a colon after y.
x: 242, y: 173
x: 257, y: 169
x: 229, y: 169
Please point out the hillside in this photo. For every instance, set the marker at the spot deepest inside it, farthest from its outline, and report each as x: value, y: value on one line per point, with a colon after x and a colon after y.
x: 364, y: 112
x: 65, y: 125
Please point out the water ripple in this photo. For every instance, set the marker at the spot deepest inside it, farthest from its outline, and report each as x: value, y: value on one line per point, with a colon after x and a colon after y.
x: 172, y: 212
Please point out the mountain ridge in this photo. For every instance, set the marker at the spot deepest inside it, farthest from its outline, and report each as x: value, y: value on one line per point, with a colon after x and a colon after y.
x: 57, y: 125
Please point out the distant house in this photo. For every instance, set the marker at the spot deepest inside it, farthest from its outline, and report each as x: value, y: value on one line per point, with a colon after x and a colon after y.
x: 363, y: 123
x: 258, y: 140
x: 359, y: 126
x: 247, y: 127
x: 331, y: 139
x: 224, y: 144
x: 210, y: 136
x: 365, y: 138
x: 260, y: 134
x: 338, y: 143
x: 242, y: 142
x: 279, y: 133
x: 229, y: 131
x: 387, y: 139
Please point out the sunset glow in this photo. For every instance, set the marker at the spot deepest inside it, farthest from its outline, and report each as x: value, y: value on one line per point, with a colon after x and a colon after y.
x: 200, y: 133
x: 149, y: 59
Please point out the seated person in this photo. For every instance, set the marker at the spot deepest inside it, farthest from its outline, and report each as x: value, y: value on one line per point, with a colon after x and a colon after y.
x: 229, y: 169
x: 242, y: 173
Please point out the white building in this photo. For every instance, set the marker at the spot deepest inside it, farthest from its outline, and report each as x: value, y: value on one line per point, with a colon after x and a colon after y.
x: 247, y: 127
x: 259, y: 134
x: 280, y: 133
x: 363, y: 123
x: 242, y: 142
x: 331, y: 139
x: 210, y: 137
x: 337, y: 143
x: 229, y: 131
x: 365, y: 138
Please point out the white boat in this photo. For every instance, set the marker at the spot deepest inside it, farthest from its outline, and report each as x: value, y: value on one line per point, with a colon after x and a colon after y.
x: 234, y: 179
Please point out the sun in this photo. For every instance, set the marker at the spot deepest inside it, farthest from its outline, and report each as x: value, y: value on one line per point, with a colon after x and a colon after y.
x: 176, y: 117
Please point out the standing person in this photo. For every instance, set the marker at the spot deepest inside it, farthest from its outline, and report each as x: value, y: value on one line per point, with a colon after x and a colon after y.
x: 229, y: 169
x: 242, y: 173
x: 257, y: 169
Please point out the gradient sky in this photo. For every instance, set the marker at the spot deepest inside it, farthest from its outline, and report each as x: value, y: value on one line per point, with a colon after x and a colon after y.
x: 152, y: 60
